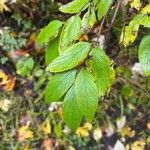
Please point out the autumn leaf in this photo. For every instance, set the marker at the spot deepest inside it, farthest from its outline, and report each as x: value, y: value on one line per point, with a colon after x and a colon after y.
x: 138, y: 145
x: 3, y: 77
x: 3, y: 6
x: 126, y: 131
x: 84, y: 130
x: 148, y: 125
x: 26, y: 147
x: 10, y: 84
x: 146, y: 9
x: 46, y: 127
x: 24, y: 133
x: 7, y: 82
x: 135, y: 4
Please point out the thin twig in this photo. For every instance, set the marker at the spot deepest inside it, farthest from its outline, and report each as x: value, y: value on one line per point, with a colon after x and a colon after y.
x: 114, y: 17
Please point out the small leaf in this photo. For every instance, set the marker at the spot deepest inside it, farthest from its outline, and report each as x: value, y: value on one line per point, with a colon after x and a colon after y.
x: 101, y: 69
x: 130, y: 32
x: 71, y: 58
x: 103, y: 7
x: 146, y: 9
x: 88, y: 20
x: 52, y: 51
x: 144, y: 54
x: 25, y: 65
x: 74, y: 6
x: 58, y: 85
x: 71, y: 112
x: 136, y: 4
x: 49, y: 32
x: 87, y: 94
x: 70, y: 32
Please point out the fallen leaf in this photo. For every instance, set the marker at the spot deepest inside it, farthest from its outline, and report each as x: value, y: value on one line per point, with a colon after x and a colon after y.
x: 84, y: 130
x: 3, y: 6
x: 3, y: 77
x: 10, y: 84
x: 148, y: 125
x: 47, y: 144
x: 126, y: 131
x: 7, y: 83
x: 24, y: 133
x: 138, y: 145
x: 46, y: 126
x: 26, y: 147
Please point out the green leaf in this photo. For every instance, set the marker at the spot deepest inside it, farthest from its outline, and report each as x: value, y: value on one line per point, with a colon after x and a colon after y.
x: 71, y: 112
x: 100, y: 65
x: 71, y: 58
x: 144, y: 54
x: 49, y: 32
x: 88, y: 20
x: 103, y: 7
x: 52, y: 51
x: 70, y: 32
x: 87, y: 94
x: 58, y: 85
x: 24, y: 66
x: 74, y: 6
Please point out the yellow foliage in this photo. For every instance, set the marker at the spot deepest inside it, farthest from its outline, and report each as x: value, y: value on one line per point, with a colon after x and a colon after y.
x: 3, y: 77
x: 146, y: 9
x: 130, y: 32
x: 136, y: 4
x: 3, y: 6
x: 26, y: 147
x: 126, y: 131
x: 7, y: 82
x: 138, y: 145
x: 148, y: 125
x: 84, y: 130
x: 46, y: 127
x: 24, y: 133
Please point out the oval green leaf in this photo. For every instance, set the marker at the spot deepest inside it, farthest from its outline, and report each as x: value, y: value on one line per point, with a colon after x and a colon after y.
x: 52, y: 51
x: 49, y: 32
x: 100, y: 65
x: 58, y: 85
x: 70, y: 32
x: 87, y: 94
x: 88, y: 20
x: 71, y: 58
x: 71, y: 113
x: 74, y: 6
x: 103, y: 7
x: 144, y: 55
